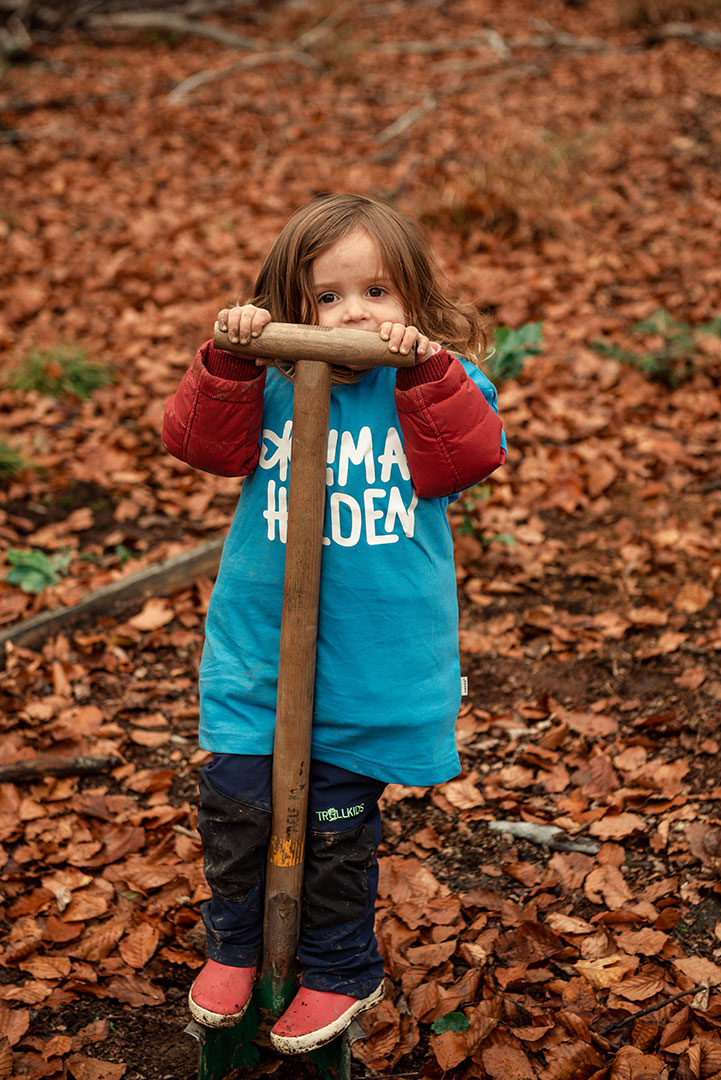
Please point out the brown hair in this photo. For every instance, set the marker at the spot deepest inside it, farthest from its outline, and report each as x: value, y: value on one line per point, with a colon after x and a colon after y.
x: 284, y: 284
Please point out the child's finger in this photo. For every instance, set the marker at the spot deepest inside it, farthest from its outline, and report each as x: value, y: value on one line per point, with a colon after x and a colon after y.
x: 409, y: 338
x: 233, y: 321
x: 396, y: 336
x: 240, y: 323
x: 261, y: 318
x: 422, y: 345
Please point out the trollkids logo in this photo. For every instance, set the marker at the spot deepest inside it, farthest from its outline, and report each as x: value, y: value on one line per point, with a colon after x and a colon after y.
x: 344, y: 812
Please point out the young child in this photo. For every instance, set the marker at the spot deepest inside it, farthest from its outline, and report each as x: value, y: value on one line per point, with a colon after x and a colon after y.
x: 402, y: 444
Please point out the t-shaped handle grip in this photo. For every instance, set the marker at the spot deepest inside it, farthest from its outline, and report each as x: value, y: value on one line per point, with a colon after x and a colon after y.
x: 329, y: 344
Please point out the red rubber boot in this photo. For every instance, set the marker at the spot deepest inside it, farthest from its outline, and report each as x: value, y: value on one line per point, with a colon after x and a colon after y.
x: 315, y: 1017
x: 221, y: 994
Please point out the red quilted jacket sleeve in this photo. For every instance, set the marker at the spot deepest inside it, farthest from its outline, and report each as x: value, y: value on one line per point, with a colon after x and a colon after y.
x: 451, y: 434
x: 214, y: 422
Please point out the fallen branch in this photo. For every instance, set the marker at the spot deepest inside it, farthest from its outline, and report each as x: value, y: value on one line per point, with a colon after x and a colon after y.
x: 651, y: 1008
x: 325, y: 26
x: 406, y: 120
x: 153, y: 581
x: 37, y: 768
x: 169, y: 21
x: 490, y: 40
x: 256, y: 60
x: 708, y: 39
x: 544, y: 835
x: 503, y: 46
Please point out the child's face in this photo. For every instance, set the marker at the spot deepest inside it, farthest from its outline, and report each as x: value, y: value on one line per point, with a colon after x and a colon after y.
x: 351, y: 287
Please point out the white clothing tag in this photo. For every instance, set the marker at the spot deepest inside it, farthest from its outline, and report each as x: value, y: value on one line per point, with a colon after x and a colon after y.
x: 464, y: 686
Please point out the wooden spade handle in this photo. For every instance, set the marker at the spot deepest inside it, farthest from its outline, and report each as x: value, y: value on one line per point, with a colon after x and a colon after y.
x: 296, y: 679
x: 330, y: 344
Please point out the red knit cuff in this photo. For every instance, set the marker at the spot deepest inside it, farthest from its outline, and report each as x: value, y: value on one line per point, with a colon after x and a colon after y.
x: 431, y: 370
x: 228, y: 365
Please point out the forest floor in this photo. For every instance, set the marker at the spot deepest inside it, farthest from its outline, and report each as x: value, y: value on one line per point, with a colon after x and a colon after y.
x: 566, y: 161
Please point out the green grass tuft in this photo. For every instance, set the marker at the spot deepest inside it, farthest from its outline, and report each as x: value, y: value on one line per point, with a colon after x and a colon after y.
x: 61, y: 370
x: 510, y: 349
x: 11, y: 461
x: 673, y: 361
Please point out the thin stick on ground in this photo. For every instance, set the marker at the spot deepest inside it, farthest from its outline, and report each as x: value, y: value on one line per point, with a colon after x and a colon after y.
x: 30, y: 770
x: 650, y: 1009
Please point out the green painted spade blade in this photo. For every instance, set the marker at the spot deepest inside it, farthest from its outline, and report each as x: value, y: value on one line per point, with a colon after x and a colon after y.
x: 235, y: 1052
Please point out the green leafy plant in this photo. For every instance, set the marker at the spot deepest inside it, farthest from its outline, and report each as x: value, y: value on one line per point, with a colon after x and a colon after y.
x: 452, y: 1021
x: 123, y: 553
x: 510, y: 349
x: 11, y: 461
x: 469, y: 504
x: 60, y: 370
x: 470, y: 500
x: 674, y: 360
x: 33, y: 570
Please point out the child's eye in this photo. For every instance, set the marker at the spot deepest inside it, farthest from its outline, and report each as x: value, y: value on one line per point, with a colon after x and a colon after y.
x: 327, y: 298
x: 376, y: 291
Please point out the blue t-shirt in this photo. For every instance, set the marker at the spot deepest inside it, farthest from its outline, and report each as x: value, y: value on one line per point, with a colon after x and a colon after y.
x: 388, y: 683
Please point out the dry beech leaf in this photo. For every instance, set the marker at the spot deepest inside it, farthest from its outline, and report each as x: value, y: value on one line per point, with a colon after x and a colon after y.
x: 617, y: 826
x: 463, y: 794
x: 430, y: 956
x: 6, y: 1058
x: 646, y: 941
x: 639, y: 987
x: 570, y: 1060
x: 607, y: 884
x: 692, y: 597
x: 136, y: 990
x: 81, y: 1067
x: 47, y: 967
x: 531, y: 1034
x: 698, y: 969
x: 449, y: 1049
x: 568, y: 924
x: 691, y: 678
x: 423, y: 1000
x: 606, y: 971
x: 632, y: 1064
x: 593, y: 725
x: 151, y: 739
x: 58, y: 1046
x: 383, y: 1036
x: 507, y: 1063
x: 99, y: 942
x: 139, y: 945
x: 155, y: 614
x: 95, y: 1031
x: 13, y: 1022
x: 30, y: 993
x: 85, y: 906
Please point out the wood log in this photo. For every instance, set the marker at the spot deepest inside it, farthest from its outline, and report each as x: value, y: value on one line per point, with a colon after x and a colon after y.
x: 42, y: 765
x: 157, y: 580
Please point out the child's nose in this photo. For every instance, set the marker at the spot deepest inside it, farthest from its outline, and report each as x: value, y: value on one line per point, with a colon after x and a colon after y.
x: 354, y: 309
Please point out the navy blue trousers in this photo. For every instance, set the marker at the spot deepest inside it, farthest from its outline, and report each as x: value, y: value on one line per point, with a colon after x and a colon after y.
x: 337, y: 950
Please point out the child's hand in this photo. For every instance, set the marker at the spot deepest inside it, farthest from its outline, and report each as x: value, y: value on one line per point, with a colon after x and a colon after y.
x: 401, y: 339
x: 242, y: 322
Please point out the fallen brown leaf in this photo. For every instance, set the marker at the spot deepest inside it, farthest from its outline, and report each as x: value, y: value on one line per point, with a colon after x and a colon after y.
x: 81, y: 1067
x: 139, y: 945
x: 449, y: 1049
